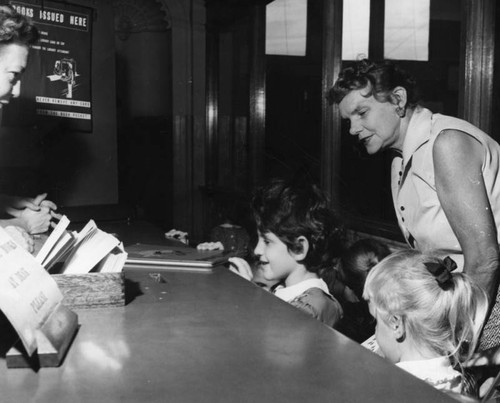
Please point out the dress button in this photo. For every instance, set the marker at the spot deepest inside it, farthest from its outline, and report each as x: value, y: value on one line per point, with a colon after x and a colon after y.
x: 402, y: 219
x: 402, y: 208
x: 399, y: 182
x: 400, y: 173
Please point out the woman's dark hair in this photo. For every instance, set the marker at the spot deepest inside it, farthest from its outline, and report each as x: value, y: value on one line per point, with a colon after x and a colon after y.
x: 358, y: 260
x: 15, y: 27
x: 290, y: 209
x: 381, y: 78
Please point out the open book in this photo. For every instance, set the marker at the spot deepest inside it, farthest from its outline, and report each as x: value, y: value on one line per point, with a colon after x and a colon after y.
x: 81, y: 252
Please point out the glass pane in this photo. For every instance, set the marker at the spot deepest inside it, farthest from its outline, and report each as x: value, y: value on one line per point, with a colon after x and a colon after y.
x: 286, y: 26
x: 406, y: 31
x: 355, y: 29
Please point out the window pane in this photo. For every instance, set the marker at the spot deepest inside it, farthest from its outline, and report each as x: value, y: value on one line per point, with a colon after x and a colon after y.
x: 406, y: 33
x: 286, y: 25
x: 355, y: 29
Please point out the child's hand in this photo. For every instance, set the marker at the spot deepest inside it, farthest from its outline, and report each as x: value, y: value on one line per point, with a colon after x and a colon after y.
x: 210, y: 246
x: 260, y: 280
x: 241, y: 267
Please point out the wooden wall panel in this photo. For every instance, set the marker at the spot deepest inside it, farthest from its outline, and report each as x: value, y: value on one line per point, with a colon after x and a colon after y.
x: 330, y: 131
x: 182, y: 200
x: 257, y: 122
x: 476, y: 101
x: 197, y: 178
x: 225, y: 150
x: 189, y: 111
x: 240, y: 153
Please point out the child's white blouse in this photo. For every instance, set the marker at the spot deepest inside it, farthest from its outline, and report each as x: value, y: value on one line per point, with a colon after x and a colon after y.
x: 289, y: 293
x: 436, y: 371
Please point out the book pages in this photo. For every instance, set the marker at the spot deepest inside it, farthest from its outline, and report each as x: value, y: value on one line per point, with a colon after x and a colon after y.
x: 52, y: 244
x: 114, y: 261
x: 92, y: 245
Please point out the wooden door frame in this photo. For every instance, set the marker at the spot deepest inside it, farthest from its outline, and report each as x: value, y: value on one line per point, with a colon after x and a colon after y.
x: 476, y: 67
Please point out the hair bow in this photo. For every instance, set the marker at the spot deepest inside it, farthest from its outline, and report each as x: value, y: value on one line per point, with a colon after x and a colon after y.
x: 442, y: 271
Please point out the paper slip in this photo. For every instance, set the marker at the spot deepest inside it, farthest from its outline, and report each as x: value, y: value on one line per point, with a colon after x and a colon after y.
x: 28, y: 295
x: 372, y: 345
x: 114, y: 260
x: 92, y: 245
x: 50, y: 245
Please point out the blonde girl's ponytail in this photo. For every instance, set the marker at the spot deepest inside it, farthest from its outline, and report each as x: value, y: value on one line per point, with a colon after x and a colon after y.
x: 468, y: 308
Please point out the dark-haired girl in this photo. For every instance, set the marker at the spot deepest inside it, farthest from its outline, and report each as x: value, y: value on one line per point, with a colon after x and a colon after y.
x: 299, y: 242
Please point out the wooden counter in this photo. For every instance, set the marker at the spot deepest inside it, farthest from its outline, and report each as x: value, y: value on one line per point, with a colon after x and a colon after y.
x: 210, y: 338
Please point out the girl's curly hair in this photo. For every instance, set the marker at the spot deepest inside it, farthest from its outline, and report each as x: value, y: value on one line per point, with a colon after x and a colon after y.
x: 297, y: 208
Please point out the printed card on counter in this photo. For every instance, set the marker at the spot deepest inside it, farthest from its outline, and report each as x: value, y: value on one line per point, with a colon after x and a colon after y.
x: 28, y: 294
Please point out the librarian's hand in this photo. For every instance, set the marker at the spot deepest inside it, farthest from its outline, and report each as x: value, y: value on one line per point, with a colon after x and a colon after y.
x: 210, y: 246
x: 241, y: 267
x: 56, y: 217
x: 35, y: 204
x: 21, y: 237
x: 35, y: 222
x: 49, y: 204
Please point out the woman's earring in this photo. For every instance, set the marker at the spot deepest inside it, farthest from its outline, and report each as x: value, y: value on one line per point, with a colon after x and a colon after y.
x: 401, y: 111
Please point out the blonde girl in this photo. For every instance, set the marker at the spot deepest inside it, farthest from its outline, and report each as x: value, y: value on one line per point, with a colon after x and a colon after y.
x: 428, y: 317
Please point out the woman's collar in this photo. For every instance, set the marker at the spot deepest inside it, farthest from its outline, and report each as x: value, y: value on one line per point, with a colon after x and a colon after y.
x: 417, y: 132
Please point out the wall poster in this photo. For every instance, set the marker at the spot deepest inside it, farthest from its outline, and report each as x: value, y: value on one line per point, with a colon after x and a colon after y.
x: 56, y: 86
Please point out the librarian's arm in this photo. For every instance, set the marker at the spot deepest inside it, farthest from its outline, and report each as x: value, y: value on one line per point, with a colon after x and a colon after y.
x: 460, y: 186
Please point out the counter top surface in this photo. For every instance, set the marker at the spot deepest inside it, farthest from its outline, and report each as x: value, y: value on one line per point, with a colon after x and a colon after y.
x: 215, y: 337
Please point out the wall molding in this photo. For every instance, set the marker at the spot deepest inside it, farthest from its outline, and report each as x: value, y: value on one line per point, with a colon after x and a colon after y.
x: 133, y: 16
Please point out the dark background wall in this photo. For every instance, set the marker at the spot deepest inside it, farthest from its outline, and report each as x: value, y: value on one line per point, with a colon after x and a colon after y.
x: 75, y: 168
x: 144, y: 119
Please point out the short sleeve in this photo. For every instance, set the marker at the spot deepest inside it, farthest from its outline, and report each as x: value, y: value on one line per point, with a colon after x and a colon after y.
x: 319, y: 305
